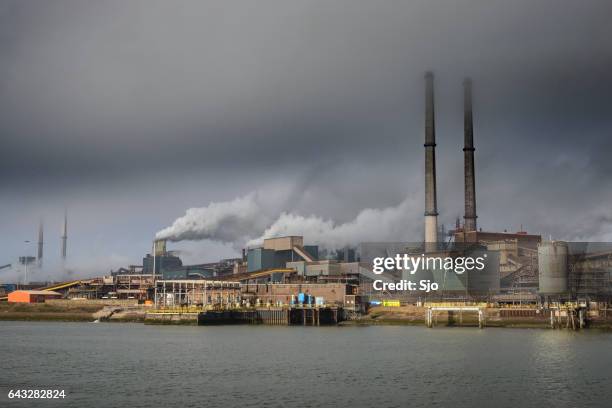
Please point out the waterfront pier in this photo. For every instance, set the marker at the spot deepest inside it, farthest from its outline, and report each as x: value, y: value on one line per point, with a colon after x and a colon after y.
x: 294, y: 316
x: 430, y: 318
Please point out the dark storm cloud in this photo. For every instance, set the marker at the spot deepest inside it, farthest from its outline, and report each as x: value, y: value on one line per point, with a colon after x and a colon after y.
x: 116, y: 92
x: 95, y: 87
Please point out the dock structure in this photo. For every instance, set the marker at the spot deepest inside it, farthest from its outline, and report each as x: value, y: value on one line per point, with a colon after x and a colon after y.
x: 272, y: 316
x: 430, y: 317
x: 574, y: 318
x: 280, y: 316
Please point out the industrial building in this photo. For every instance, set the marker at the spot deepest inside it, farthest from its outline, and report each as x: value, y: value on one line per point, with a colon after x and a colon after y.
x: 169, y: 265
x: 32, y: 296
x: 525, y: 265
x: 276, y: 252
x: 161, y: 259
x: 329, y: 294
x: 575, y: 270
x: 220, y: 294
x: 187, y: 293
x: 520, y: 266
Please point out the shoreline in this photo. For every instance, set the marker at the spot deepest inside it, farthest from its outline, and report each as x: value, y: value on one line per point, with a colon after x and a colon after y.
x: 408, y: 316
x: 364, y: 322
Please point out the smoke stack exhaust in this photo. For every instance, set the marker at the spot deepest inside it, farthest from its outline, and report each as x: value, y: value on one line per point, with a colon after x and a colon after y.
x: 468, y: 155
x: 431, y: 207
x: 65, y: 235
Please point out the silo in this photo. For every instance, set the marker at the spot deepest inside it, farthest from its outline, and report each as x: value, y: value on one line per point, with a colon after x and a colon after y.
x: 552, y: 266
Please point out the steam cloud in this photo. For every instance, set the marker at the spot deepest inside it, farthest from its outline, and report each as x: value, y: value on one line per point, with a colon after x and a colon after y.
x: 241, y: 220
x: 229, y: 222
x: 387, y: 224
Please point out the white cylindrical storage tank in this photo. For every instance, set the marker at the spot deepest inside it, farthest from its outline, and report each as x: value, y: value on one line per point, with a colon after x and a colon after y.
x: 552, y: 266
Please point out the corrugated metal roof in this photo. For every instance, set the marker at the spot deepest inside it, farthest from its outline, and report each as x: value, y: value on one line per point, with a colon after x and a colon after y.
x: 39, y: 292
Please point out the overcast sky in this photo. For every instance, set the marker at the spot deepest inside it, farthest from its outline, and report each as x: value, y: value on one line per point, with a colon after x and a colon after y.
x: 128, y: 113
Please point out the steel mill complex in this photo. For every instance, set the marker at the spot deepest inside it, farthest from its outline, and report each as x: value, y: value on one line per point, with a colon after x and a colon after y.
x: 288, y: 280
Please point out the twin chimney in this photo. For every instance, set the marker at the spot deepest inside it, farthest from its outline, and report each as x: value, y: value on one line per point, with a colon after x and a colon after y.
x: 431, y: 207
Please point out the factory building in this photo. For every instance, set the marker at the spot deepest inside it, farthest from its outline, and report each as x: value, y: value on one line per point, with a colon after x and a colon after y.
x: 346, y: 255
x: 163, y: 262
x: 517, y: 254
x: 331, y: 294
x: 170, y: 266
x: 32, y: 296
x: 466, y: 284
x: 507, y: 265
x: 483, y: 237
x: 210, y: 270
x: 273, y: 273
x: 276, y: 252
x: 161, y: 259
x: 186, y: 292
x: 231, y: 294
x: 575, y: 271
x: 316, y: 268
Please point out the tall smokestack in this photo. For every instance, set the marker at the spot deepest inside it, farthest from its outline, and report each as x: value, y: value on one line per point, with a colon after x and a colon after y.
x: 40, y: 243
x: 468, y: 155
x: 431, y: 208
x: 64, y: 234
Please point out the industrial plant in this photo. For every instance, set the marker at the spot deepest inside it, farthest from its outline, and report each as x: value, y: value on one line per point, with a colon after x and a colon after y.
x: 288, y: 280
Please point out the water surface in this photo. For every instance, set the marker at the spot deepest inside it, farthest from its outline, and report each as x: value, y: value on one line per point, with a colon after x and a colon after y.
x: 135, y: 365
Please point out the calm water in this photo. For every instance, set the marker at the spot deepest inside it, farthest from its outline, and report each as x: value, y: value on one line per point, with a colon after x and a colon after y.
x: 139, y: 366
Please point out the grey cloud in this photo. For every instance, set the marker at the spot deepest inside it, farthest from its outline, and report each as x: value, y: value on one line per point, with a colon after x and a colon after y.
x: 108, y: 96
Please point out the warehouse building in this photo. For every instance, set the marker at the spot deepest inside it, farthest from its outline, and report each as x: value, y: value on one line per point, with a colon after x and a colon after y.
x: 32, y: 296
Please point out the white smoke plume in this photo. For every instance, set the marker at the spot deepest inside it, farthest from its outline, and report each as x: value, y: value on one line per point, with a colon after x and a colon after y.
x: 243, y: 221
x: 233, y: 222
x: 387, y: 224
